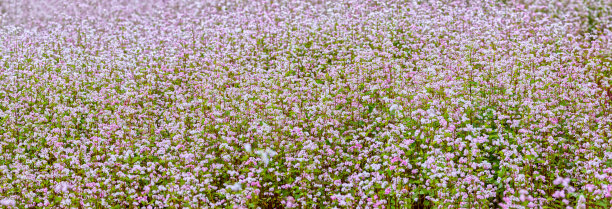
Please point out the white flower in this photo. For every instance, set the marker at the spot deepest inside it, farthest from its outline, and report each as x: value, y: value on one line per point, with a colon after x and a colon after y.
x: 62, y: 187
x: 375, y: 166
x: 425, y: 121
x: 270, y: 152
x: 264, y: 156
x: 65, y: 202
x: 7, y: 202
x: 246, y: 97
x: 247, y: 147
x: 581, y: 202
x: 235, y: 187
x: 395, y: 107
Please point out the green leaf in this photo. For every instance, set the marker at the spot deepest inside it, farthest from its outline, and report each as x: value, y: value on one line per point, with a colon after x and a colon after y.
x: 603, y: 203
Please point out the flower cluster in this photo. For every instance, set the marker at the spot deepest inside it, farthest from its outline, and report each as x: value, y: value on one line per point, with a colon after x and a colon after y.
x: 304, y: 104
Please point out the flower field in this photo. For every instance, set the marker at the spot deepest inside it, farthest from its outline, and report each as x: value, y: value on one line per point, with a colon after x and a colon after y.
x: 305, y: 104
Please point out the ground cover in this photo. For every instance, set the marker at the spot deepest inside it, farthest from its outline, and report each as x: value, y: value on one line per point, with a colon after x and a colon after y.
x: 305, y: 104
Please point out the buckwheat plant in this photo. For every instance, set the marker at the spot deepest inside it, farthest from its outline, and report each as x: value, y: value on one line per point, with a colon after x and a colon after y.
x: 305, y: 104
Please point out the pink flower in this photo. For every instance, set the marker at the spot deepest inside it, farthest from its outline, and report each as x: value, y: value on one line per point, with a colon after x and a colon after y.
x: 255, y: 184
x: 330, y: 151
x: 554, y: 120
x: 531, y: 205
x: 559, y: 194
x: 290, y: 202
x: 590, y: 187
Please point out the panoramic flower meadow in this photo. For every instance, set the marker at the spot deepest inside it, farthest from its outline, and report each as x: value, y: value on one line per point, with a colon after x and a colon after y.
x: 305, y: 104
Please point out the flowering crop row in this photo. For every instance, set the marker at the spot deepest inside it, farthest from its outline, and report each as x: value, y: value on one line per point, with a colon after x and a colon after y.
x: 305, y: 103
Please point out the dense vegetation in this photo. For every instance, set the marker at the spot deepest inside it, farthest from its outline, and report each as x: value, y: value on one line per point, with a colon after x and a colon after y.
x: 305, y: 103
